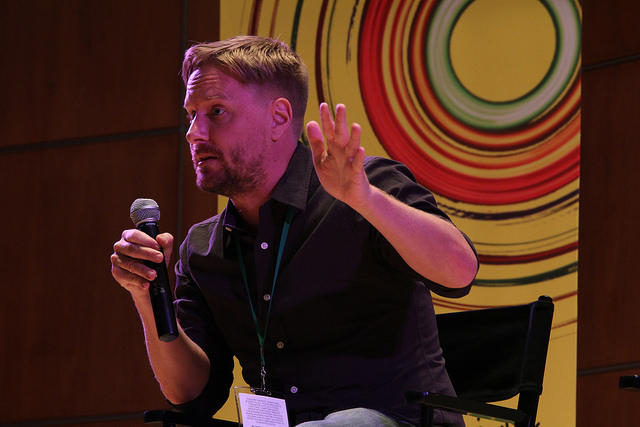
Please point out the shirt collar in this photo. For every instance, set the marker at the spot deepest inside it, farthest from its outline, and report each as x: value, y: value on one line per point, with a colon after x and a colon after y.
x: 293, y: 187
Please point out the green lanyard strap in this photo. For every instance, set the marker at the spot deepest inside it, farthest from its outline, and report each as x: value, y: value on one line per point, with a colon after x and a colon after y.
x: 263, y: 334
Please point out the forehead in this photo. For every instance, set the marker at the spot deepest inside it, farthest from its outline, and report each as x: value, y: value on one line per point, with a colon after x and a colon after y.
x: 209, y: 82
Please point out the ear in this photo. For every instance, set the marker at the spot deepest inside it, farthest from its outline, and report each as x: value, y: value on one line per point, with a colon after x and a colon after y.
x: 281, y: 118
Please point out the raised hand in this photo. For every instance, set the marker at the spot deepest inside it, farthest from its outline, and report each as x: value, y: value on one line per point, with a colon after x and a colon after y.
x: 338, y: 157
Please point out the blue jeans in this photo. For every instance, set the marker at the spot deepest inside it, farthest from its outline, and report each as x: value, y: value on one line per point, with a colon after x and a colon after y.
x: 356, y: 417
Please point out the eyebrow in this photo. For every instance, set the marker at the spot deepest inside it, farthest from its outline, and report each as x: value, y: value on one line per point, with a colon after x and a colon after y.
x: 214, y: 96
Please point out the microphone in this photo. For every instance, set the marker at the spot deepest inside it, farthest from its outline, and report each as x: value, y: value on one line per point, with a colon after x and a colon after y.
x: 145, y: 214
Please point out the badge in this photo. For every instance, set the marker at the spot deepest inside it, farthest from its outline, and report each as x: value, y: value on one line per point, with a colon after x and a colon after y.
x: 260, y: 408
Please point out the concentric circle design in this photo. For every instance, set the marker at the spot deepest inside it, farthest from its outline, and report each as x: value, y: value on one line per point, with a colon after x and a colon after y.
x: 462, y: 147
x: 509, y: 170
x: 506, y: 171
x: 479, y: 114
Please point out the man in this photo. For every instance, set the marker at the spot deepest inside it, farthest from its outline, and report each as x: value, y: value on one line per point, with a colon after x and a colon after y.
x: 317, y: 274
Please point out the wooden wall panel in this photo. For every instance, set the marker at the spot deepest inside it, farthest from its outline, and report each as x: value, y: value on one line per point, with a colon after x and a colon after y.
x: 76, y: 343
x: 610, y: 30
x: 608, y: 317
x: 602, y: 403
x: 90, y: 119
x: 609, y: 226
x: 80, y: 68
x: 202, y: 21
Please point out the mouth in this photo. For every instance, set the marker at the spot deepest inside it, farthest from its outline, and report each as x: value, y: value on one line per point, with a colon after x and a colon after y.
x: 204, y: 157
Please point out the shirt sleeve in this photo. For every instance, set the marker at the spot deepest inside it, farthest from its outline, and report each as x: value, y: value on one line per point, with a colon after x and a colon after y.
x: 196, y: 320
x: 397, y: 180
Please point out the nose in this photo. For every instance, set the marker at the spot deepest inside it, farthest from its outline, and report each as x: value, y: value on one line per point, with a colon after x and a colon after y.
x: 198, y: 130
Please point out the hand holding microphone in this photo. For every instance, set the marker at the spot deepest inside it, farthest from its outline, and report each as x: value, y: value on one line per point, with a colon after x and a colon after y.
x: 145, y: 214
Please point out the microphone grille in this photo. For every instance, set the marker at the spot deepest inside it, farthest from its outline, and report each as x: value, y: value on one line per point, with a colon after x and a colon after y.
x: 144, y: 210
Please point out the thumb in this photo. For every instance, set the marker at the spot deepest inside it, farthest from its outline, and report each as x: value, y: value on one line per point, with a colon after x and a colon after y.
x: 316, y: 139
x: 165, y: 240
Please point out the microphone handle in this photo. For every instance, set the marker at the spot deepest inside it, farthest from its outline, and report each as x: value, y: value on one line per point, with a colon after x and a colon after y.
x: 160, y: 293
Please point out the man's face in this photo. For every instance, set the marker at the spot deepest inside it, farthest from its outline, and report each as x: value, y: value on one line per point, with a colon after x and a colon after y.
x: 230, y: 146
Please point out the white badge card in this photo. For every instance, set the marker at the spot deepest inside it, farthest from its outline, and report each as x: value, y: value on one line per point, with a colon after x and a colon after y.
x: 257, y: 408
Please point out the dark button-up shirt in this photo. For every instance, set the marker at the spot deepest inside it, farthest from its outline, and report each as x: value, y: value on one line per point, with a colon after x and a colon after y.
x: 351, y: 325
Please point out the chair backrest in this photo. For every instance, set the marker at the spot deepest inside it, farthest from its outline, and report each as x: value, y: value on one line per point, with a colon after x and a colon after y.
x: 496, y: 353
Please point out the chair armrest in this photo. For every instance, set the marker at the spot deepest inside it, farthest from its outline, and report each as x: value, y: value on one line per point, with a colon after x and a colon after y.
x: 466, y: 407
x: 630, y: 382
x: 173, y: 417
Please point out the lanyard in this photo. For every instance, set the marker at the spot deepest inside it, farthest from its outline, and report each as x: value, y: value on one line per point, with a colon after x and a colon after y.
x: 262, y: 334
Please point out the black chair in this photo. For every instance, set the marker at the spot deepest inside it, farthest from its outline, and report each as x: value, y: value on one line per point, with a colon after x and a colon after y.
x: 492, y: 355
x: 629, y: 382
x: 174, y: 419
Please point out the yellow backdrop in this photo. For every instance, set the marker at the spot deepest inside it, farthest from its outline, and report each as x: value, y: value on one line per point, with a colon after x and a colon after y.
x: 482, y: 100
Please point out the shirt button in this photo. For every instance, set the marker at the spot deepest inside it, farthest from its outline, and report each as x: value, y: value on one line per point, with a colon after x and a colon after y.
x: 280, y: 344
x: 264, y: 245
x: 294, y: 389
x: 266, y: 297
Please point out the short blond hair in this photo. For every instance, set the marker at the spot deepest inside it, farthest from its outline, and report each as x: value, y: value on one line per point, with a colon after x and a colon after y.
x: 256, y: 60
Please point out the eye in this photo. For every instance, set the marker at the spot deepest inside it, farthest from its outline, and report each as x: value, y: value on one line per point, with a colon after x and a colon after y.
x: 217, y: 111
x: 190, y: 116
